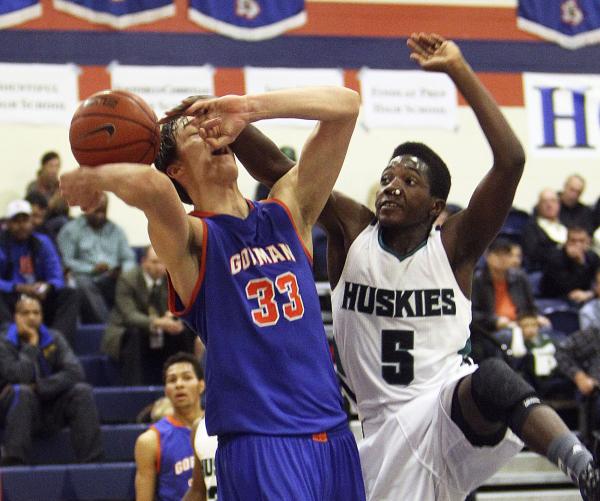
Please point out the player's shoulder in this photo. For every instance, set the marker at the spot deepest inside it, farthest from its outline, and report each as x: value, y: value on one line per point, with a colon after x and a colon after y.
x: 147, y: 442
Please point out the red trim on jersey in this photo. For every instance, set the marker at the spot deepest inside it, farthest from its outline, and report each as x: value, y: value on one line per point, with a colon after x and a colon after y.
x: 287, y: 211
x: 175, y: 422
x: 202, y: 260
x: 206, y: 213
x: 158, y: 451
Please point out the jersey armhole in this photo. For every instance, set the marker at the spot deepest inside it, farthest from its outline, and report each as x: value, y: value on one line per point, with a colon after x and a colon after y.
x: 289, y: 215
x: 158, y: 449
x: 174, y: 299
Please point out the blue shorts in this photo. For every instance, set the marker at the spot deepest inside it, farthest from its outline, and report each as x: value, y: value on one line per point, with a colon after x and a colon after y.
x: 320, y: 467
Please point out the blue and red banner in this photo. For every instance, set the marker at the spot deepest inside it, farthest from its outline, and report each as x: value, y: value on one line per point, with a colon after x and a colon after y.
x: 249, y: 20
x: 569, y: 23
x: 118, y: 14
x: 14, y: 12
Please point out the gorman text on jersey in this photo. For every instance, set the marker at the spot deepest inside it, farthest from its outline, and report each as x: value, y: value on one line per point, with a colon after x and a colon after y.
x: 259, y: 256
x: 398, y: 303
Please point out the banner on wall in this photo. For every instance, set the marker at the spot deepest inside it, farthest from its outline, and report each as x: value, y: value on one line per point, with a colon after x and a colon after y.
x: 18, y: 11
x: 408, y: 99
x: 569, y: 23
x: 118, y: 14
x: 562, y: 114
x: 163, y: 87
x: 268, y: 79
x: 249, y: 20
x: 38, y: 93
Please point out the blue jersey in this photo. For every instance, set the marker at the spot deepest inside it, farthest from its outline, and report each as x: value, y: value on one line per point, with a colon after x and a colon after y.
x: 175, y: 459
x: 268, y: 366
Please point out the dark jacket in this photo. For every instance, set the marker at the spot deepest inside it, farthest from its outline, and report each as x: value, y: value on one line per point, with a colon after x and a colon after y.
x: 483, y: 296
x: 37, y: 250
x: 580, y: 351
x: 131, y: 309
x: 563, y: 275
x: 579, y: 215
x: 51, y: 366
x: 537, y: 246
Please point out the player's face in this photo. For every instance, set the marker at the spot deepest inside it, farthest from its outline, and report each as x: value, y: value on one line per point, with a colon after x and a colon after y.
x: 182, y: 386
x: 404, y: 196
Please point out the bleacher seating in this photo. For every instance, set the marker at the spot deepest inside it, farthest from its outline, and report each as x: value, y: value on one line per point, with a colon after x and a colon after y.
x: 563, y: 315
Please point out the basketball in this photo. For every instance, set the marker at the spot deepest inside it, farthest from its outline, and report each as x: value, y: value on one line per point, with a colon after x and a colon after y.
x: 114, y: 126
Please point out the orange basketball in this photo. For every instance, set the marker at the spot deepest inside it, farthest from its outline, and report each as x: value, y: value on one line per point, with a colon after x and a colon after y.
x: 114, y: 126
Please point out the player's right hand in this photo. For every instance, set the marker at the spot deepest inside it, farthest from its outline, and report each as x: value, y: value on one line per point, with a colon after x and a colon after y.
x: 433, y: 52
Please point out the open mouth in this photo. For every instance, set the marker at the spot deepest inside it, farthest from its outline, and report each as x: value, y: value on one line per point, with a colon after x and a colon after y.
x: 389, y: 205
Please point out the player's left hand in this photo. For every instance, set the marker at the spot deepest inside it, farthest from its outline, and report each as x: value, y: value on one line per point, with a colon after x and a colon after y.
x: 433, y: 52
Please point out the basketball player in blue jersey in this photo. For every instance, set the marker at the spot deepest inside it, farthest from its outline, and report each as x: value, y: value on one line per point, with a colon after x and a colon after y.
x: 435, y: 425
x: 240, y: 275
x: 164, y: 456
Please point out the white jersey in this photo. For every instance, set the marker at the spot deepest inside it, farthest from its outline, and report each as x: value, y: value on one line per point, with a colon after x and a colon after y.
x: 399, y: 323
x: 205, y: 447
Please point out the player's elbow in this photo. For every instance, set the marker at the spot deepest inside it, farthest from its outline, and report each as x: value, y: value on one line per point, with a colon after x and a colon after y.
x: 351, y: 101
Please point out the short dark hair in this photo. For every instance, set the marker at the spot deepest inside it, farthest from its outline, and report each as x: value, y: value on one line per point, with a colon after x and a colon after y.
x: 438, y: 173
x: 26, y: 297
x: 501, y: 245
x: 182, y: 356
x: 167, y: 154
x: 49, y: 155
x: 37, y: 198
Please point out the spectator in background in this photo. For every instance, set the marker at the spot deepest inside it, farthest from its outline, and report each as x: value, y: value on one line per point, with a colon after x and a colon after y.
x: 29, y: 264
x: 569, y: 273
x: 141, y: 332
x: 589, y: 314
x: 501, y: 290
x: 43, y: 389
x: 543, y: 235
x: 578, y: 358
x: 47, y: 219
x: 46, y: 181
x: 164, y: 456
x: 95, y: 250
x: 449, y: 210
x: 572, y: 211
x: 39, y: 211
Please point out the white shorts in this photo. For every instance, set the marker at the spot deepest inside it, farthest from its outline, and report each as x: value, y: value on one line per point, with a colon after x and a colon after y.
x: 420, y: 454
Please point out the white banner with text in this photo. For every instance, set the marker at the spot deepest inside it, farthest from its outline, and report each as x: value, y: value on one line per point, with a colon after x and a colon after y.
x: 38, y: 94
x: 163, y: 87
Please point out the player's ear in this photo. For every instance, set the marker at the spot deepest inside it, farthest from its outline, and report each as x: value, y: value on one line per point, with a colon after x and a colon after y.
x: 174, y: 170
x: 437, y: 207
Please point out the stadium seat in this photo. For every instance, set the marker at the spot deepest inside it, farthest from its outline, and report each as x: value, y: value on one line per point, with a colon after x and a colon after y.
x: 123, y: 404
x: 88, y: 339
x: 100, y: 370
x: 89, y: 482
x: 564, y: 316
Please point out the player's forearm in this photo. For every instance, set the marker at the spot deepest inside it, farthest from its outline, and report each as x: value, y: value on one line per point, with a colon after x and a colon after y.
x: 506, y: 147
x: 327, y: 104
x: 137, y: 185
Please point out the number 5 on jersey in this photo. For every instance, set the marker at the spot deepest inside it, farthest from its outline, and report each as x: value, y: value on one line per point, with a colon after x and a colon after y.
x: 263, y: 289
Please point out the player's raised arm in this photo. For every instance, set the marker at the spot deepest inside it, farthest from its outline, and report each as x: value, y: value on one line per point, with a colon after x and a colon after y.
x: 466, y: 235
x: 152, y: 192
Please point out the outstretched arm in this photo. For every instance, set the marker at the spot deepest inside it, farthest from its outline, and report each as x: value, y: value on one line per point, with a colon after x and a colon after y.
x: 307, y: 185
x: 467, y: 234
x: 152, y: 192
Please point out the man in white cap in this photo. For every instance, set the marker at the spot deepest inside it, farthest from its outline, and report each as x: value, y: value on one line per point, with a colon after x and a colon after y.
x: 30, y: 264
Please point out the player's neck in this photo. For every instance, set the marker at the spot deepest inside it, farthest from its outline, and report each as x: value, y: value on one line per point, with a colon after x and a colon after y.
x: 404, y: 240
x: 220, y: 199
x: 188, y: 415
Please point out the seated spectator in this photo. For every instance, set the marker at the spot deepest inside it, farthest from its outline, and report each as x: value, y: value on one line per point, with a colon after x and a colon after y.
x: 164, y: 456
x: 578, y: 358
x: 569, y: 273
x: 29, y: 264
x: 572, y: 211
x: 95, y: 250
x: 43, y: 389
x: 141, y: 332
x: 533, y: 355
x: 543, y: 235
x: 45, y: 217
x: 46, y: 181
x: 501, y: 290
x: 589, y: 314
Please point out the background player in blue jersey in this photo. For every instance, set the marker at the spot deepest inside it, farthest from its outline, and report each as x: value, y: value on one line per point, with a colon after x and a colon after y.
x: 164, y: 456
x: 241, y: 277
x: 435, y: 427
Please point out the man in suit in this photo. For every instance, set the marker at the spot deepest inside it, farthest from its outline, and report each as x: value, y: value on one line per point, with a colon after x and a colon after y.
x: 141, y: 333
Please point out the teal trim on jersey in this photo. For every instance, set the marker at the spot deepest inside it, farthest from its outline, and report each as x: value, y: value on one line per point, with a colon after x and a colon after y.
x: 393, y: 252
x: 465, y: 351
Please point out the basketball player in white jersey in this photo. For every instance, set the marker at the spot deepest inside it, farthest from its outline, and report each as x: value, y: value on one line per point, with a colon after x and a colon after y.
x: 204, y: 476
x: 436, y: 426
